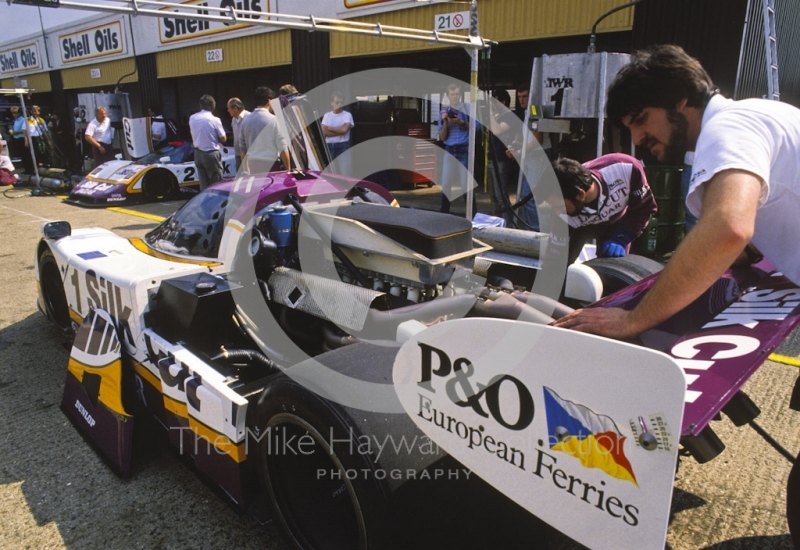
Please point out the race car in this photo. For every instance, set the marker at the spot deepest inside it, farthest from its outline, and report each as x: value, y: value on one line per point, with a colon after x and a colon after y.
x: 367, y: 371
x: 168, y: 173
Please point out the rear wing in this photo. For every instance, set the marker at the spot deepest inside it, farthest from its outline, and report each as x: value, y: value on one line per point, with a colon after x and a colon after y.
x: 719, y: 341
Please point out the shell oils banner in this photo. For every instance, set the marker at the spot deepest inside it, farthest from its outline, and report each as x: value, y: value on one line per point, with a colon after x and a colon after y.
x: 98, y: 41
x: 20, y: 59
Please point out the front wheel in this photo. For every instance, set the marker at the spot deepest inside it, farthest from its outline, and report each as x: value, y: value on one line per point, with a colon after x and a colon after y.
x: 55, y: 299
x: 327, y: 495
x: 159, y: 184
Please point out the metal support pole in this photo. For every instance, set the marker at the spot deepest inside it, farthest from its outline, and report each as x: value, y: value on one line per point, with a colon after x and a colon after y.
x: 30, y: 142
x: 473, y: 105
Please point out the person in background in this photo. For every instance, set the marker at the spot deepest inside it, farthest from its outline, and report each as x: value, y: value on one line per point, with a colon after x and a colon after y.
x: 522, y: 101
x: 607, y: 199
x: 158, y: 128
x: 264, y: 146
x: 8, y: 176
x: 534, y: 164
x: 35, y: 131
x: 454, y: 133
x: 19, y: 145
x: 208, y: 135
x: 238, y: 113
x: 287, y: 90
x: 62, y: 139
x: 336, y: 126
x: 99, y: 133
x: 501, y: 167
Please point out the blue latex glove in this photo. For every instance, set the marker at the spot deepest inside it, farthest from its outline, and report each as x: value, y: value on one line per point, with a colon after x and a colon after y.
x: 610, y: 249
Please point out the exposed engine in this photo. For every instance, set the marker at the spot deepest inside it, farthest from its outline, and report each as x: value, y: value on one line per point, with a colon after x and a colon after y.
x: 335, y: 274
x: 413, y: 255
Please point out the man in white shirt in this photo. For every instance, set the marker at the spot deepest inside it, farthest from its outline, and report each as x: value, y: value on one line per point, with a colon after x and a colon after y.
x: 208, y: 135
x: 746, y: 161
x: 336, y: 126
x: 238, y: 113
x: 100, y: 133
x: 263, y: 144
x: 744, y: 188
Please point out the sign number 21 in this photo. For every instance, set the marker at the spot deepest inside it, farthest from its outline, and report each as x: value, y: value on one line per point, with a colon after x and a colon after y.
x: 451, y: 21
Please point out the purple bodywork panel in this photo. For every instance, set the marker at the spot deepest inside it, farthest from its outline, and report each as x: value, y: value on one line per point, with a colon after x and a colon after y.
x: 276, y: 186
x: 723, y: 337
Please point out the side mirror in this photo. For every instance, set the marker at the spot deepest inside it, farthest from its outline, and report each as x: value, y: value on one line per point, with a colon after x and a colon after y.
x: 56, y: 230
x: 164, y: 160
x: 118, y: 156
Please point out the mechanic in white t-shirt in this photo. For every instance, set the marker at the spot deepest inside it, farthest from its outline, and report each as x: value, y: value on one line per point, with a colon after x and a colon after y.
x: 336, y: 126
x: 99, y: 133
x: 744, y: 186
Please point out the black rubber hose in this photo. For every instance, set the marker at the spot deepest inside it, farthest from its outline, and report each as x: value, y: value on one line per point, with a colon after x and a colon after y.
x: 248, y: 355
x: 334, y: 340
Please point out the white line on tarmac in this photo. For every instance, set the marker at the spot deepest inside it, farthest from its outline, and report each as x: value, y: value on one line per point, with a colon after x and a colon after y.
x: 26, y: 213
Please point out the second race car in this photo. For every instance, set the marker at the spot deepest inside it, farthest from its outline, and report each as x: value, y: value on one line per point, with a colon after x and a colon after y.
x: 169, y: 172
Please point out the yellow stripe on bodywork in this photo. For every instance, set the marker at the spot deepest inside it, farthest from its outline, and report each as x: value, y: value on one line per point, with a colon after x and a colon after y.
x: 217, y: 439
x: 110, y: 382
x: 141, y: 246
x: 136, y: 179
x: 151, y: 378
x: 176, y: 407
x: 75, y: 316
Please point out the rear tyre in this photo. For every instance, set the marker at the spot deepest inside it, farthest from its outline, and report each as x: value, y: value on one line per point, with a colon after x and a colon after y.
x: 159, y: 184
x: 793, y: 502
x: 325, y: 493
x: 618, y: 273
x: 55, y: 300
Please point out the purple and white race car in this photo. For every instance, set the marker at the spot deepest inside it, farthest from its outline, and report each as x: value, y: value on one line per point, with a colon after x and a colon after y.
x: 366, y: 372
x: 168, y: 173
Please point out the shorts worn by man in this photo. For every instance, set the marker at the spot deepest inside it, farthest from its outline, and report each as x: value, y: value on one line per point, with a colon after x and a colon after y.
x: 607, y: 199
x: 208, y: 135
x: 263, y: 144
x: 99, y: 133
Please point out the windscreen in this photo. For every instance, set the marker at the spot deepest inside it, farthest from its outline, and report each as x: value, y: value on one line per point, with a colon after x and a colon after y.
x: 178, y: 152
x: 195, y: 229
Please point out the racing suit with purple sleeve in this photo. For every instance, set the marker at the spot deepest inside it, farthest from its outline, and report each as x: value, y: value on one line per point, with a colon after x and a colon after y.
x: 622, y: 210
